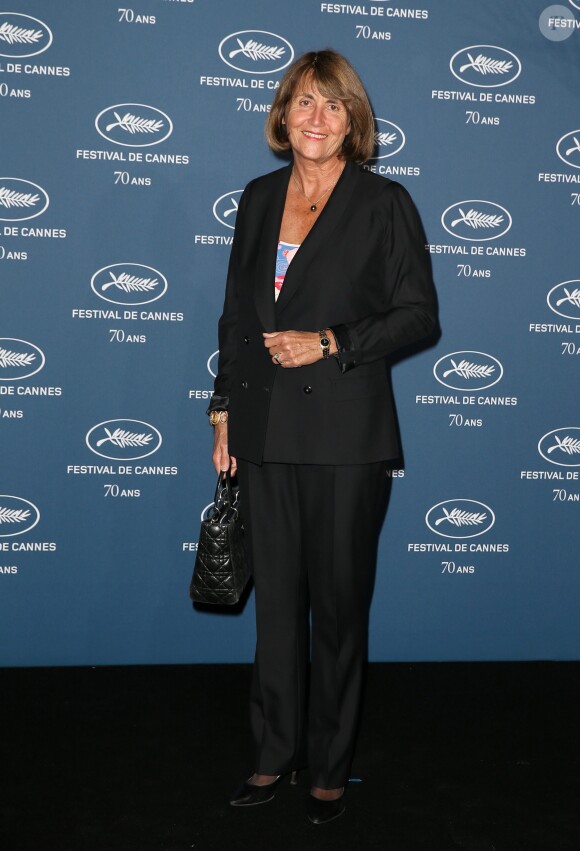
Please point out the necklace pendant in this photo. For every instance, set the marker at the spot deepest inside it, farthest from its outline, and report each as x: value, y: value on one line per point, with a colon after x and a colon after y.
x: 313, y: 208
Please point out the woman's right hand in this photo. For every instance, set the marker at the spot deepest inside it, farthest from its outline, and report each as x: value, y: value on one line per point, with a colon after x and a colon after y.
x: 221, y: 458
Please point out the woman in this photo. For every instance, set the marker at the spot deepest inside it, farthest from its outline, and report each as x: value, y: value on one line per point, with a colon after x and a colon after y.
x: 328, y: 277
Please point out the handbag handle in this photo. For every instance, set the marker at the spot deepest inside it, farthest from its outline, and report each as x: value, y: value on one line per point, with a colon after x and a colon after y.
x: 225, y: 505
x: 227, y: 487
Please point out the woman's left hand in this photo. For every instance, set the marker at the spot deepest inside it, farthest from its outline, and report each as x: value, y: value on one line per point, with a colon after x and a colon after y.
x: 295, y: 348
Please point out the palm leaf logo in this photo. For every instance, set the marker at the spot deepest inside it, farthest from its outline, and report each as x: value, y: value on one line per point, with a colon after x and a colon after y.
x: 122, y: 438
x: 8, y: 358
x: 568, y: 445
x: 130, y: 283
x: 10, y: 198
x: 385, y: 138
x: 475, y: 219
x: 462, y: 518
x: 484, y: 65
x: 470, y: 370
x: 575, y: 147
x: 572, y: 297
x: 233, y: 208
x: 18, y: 35
x: 13, y: 515
x: 254, y: 51
x: 133, y: 124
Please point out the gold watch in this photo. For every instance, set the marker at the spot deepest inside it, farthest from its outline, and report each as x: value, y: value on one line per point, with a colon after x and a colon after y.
x: 324, y: 343
x: 216, y: 417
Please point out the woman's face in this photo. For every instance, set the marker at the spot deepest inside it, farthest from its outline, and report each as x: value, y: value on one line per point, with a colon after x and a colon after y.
x: 316, y: 125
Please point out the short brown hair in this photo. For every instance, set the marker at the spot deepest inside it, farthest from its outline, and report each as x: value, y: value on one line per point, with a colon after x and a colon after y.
x: 335, y: 78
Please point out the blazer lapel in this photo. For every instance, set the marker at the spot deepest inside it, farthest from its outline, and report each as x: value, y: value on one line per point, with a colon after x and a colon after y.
x: 317, y: 239
x: 266, y: 264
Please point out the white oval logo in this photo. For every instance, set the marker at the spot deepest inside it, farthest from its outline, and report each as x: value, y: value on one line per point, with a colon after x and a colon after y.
x: 564, y: 299
x: 23, y: 35
x: 485, y: 66
x: 17, y: 516
x: 19, y: 359
x: 561, y: 446
x: 129, y: 283
x: 460, y: 518
x: 124, y: 440
x: 575, y: 3
x: 207, y: 511
x: 256, y: 52
x: 212, y: 364
x: 476, y: 220
x: 468, y: 370
x: 226, y: 207
x: 568, y: 148
x: 19, y: 196
x: 389, y: 139
x: 133, y: 125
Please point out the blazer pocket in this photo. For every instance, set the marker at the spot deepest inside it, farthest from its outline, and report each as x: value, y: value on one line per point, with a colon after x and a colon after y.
x: 359, y: 387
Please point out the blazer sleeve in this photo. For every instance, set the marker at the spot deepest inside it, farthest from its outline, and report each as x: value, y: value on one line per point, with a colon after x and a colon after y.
x: 412, y: 311
x: 228, y: 321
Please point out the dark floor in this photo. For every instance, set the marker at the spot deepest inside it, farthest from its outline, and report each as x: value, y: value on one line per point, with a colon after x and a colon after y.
x: 451, y: 757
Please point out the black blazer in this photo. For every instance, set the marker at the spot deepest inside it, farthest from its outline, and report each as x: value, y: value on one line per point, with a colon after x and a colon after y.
x: 364, y: 272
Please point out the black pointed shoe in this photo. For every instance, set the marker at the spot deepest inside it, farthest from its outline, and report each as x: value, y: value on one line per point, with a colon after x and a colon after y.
x: 319, y: 811
x: 248, y: 794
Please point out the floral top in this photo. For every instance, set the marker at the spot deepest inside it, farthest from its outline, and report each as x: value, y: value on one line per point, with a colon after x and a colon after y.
x: 286, y: 251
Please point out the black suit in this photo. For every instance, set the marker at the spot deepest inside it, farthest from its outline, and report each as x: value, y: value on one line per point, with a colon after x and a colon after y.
x: 362, y: 270
x: 312, y: 444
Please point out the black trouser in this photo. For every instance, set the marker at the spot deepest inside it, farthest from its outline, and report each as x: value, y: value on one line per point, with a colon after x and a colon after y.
x: 312, y: 532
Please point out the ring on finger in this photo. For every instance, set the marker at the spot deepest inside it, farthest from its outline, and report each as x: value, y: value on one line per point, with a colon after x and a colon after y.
x: 277, y: 357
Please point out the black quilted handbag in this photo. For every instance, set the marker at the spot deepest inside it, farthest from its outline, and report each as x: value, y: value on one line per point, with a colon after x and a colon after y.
x: 221, y: 569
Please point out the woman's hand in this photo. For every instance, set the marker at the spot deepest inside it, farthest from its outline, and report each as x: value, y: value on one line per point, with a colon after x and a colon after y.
x: 296, y: 348
x: 221, y: 458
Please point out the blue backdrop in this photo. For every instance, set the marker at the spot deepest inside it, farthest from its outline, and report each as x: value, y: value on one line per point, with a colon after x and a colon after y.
x: 127, y: 136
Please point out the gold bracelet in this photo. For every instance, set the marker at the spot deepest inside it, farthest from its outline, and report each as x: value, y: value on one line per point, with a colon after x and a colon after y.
x: 216, y: 417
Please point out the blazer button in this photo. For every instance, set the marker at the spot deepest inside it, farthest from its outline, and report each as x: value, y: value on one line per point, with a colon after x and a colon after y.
x: 307, y: 389
x: 245, y: 385
x: 246, y: 339
x: 267, y: 389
